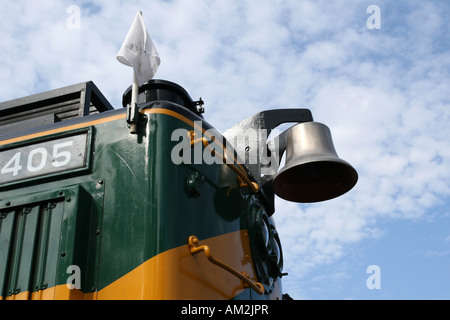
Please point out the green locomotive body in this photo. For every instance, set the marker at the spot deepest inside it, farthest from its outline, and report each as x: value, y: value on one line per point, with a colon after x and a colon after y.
x: 90, y: 211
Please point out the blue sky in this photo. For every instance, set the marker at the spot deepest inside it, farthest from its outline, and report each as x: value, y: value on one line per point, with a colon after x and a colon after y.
x: 384, y: 93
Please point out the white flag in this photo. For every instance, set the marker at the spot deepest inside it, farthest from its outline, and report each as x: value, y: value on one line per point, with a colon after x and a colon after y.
x: 138, y: 51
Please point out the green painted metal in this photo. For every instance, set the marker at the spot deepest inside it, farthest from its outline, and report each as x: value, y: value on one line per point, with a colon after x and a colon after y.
x: 149, y: 207
x: 44, y: 233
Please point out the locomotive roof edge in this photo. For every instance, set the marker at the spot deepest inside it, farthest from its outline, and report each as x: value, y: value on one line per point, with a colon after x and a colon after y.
x: 52, y: 106
x: 80, y: 100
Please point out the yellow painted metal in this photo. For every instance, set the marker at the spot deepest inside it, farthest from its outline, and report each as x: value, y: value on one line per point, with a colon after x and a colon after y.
x: 60, y: 292
x: 175, y: 274
x: 245, y: 277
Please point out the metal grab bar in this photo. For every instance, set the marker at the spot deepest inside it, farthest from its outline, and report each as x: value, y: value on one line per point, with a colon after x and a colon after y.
x: 195, y: 248
x: 244, y: 180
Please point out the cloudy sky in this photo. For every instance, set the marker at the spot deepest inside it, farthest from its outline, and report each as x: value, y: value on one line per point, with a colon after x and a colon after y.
x: 376, y: 72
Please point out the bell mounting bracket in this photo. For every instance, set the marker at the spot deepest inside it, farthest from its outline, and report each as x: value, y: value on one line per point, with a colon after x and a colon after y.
x: 262, y: 158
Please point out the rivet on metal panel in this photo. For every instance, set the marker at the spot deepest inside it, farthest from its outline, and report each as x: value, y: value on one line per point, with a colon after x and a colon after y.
x: 3, y: 215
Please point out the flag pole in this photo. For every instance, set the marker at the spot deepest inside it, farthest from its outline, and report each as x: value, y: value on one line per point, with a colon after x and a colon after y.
x: 138, y: 52
x: 133, y: 110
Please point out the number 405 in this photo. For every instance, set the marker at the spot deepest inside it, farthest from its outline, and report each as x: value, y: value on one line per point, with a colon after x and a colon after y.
x: 37, y: 159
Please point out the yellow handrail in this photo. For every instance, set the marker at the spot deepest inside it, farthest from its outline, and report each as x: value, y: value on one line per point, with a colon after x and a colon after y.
x: 195, y: 248
x: 244, y: 180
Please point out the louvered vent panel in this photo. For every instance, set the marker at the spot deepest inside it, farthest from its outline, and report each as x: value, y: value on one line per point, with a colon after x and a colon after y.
x: 52, y: 106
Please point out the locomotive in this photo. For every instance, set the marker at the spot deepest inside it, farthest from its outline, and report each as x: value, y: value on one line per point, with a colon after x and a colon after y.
x: 150, y: 201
